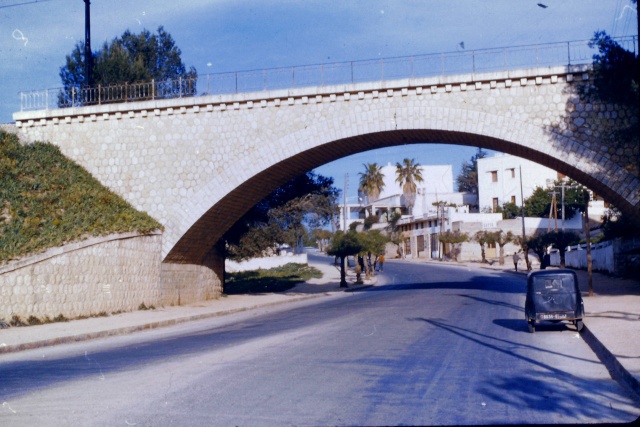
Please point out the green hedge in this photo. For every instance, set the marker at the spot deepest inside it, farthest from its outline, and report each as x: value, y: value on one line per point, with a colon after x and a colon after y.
x: 47, y: 200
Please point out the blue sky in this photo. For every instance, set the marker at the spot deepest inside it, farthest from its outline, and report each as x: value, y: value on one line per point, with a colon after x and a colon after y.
x: 234, y: 35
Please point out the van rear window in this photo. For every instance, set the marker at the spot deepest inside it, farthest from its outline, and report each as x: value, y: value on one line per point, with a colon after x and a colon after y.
x: 553, y: 284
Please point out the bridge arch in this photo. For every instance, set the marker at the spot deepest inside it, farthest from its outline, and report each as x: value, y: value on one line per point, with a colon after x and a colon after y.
x: 384, y: 127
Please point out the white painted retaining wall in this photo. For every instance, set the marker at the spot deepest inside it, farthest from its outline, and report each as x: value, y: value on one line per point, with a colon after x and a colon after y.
x: 602, y: 257
x: 264, y: 263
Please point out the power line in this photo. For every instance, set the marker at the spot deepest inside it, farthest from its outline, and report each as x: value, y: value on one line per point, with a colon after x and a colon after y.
x: 22, y: 4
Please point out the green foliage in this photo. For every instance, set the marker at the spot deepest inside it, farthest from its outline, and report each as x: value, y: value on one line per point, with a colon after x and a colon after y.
x: 558, y: 239
x: 467, y: 180
x: 342, y: 245
x: 372, y: 241
x: 33, y: 320
x: 345, y: 244
x: 539, y: 203
x: 615, y: 81
x: 615, y: 225
x: 277, y: 279
x: 48, y: 200
x: 321, y: 236
x: 615, y: 71
x: 370, y: 220
x: 510, y: 210
x: 453, y: 237
x: 280, y: 217
x: 130, y: 58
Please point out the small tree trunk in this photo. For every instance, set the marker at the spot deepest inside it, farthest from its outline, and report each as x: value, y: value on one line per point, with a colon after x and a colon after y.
x: 343, y: 272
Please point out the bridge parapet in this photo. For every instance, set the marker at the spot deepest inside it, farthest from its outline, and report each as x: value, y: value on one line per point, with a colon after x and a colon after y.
x: 304, y: 95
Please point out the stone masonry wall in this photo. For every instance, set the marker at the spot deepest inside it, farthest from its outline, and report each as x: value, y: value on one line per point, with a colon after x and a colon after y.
x: 106, y: 274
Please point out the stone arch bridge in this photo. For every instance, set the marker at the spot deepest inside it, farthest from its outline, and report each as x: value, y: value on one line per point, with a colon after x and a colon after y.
x: 197, y: 164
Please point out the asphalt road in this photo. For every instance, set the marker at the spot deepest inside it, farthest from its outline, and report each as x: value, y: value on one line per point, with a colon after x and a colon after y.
x: 434, y: 345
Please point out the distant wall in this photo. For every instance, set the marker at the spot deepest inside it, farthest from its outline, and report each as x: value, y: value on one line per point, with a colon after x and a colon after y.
x: 617, y: 256
x: 264, y: 263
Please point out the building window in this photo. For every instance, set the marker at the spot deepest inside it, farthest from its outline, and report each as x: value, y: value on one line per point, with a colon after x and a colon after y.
x: 513, y: 199
x: 495, y: 204
x: 513, y: 172
x: 494, y: 176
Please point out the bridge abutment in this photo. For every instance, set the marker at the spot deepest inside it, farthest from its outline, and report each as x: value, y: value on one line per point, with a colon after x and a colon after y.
x: 189, y: 283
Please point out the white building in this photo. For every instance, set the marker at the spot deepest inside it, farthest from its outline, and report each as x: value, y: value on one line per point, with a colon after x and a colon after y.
x: 437, y: 186
x: 438, y: 208
x: 499, y: 180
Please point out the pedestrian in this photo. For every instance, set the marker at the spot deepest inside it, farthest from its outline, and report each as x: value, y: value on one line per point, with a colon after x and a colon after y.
x: 516, y: 258
x: 381, y: 262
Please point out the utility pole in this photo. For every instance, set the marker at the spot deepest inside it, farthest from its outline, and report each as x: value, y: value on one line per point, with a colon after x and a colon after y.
x: 563, y: 206
x: 525, y: 249
x: 553, y: 211
x: 88, y: 56
x: 344, y: 202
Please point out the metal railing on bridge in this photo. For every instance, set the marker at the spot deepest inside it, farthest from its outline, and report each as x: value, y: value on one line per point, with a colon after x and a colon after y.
x: 429, y: 65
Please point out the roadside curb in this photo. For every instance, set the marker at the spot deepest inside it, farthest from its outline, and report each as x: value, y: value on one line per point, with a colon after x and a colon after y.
x: 610, y: 361
x: 359, y: 288
x: 141, y: 327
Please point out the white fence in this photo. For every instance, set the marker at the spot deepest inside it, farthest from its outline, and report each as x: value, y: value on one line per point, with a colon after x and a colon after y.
x: 602, y: 257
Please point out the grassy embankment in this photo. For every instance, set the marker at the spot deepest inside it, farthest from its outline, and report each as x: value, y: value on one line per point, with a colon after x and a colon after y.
x: 48, y: 200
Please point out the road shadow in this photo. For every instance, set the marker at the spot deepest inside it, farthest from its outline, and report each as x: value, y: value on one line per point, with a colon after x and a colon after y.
x: 520, y: 325
x: 548, y: 388
x: 478, y: 283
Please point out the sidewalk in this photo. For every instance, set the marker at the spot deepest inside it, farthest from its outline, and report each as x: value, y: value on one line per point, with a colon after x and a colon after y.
x: 612, y: 323
x: 30, y: 337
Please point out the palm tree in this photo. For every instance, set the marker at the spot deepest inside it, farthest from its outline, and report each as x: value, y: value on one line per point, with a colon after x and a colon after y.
x: 371, y: 181
x: 408, y: 174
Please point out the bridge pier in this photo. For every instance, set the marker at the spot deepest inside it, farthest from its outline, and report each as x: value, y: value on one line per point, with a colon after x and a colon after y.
x: 189, y: 283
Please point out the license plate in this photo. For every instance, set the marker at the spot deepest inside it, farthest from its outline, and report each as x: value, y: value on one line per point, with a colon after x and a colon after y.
x: 552, y: 316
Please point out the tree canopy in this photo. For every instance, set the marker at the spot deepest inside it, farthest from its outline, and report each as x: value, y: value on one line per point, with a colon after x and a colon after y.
x: 616, y: 80
x: 343, y: 245
x: 130, y: 58
x: 539, y: 203
x: 467, y: 180
x: 281, y: 216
